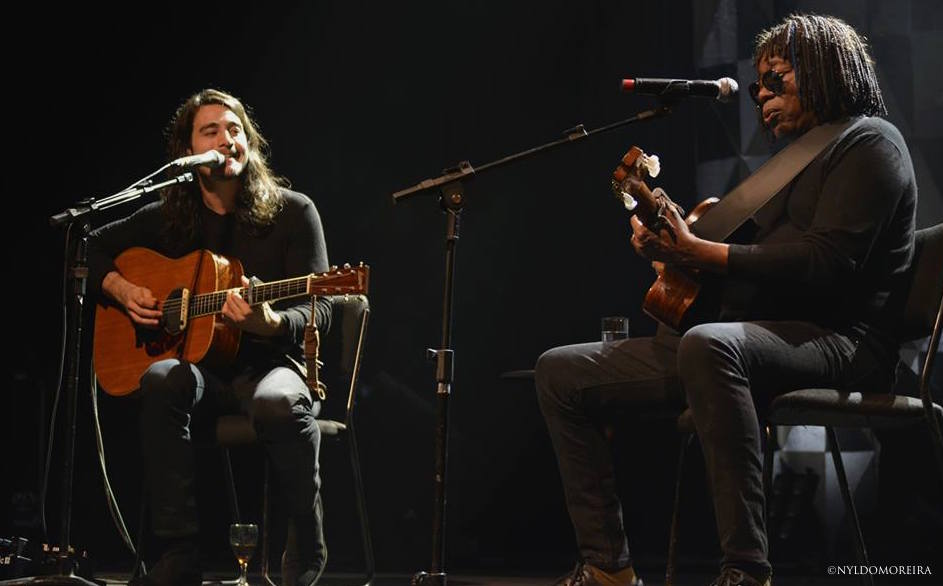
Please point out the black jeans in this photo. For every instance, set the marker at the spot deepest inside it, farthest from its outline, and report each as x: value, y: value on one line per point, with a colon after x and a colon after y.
x: 282, y: 412
x: 724, y: 371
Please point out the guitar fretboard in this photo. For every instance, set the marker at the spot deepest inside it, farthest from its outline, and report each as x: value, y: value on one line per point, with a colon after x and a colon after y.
x: 210, y: 303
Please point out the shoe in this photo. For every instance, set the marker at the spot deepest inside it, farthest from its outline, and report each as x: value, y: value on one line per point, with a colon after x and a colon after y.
x: 178, y: 566
x: 304, y: 570
x: 586, y: 575
x: 735, y: 577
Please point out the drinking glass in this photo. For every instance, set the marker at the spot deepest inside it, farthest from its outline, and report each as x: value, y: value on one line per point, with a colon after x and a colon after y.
x: 615, y: 327
x: 243, y: 539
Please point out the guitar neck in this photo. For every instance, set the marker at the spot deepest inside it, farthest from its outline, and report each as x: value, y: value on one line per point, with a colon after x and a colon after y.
x: 211, y: 303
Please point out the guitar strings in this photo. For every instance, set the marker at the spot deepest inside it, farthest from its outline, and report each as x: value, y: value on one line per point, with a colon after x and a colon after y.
x: 207, y: 303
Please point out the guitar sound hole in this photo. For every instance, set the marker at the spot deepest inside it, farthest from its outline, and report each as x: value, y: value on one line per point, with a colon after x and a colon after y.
x: 172, y: 310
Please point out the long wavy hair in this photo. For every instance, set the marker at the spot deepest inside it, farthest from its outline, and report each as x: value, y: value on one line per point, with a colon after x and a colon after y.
x: 834, y: 71
x: 258, y: 201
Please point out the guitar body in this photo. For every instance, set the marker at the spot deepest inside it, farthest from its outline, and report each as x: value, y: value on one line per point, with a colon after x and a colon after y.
x: 124, y: 351
x: 670, y: 298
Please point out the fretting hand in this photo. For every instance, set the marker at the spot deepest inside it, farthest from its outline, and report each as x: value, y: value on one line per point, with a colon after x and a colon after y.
x: 662, y: 247
x: 684, y: 249
x: 261, y: 320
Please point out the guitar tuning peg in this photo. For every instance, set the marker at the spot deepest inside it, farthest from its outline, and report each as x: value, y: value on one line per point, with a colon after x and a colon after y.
x: 361, y: 264
x: 332, y: 268
x: 346, y: 265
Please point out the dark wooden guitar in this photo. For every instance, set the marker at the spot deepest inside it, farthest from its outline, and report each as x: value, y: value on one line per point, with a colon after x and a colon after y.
x: 671, y: 298
x: 191, y: 291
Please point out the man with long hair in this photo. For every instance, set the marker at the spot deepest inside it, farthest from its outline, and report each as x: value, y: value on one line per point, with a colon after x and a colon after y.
x: 825, y: 254
x: 239, y: 209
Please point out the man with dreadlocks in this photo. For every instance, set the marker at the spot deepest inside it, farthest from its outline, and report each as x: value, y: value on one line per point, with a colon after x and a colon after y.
x: 826, y: 251
x: 240, y: 210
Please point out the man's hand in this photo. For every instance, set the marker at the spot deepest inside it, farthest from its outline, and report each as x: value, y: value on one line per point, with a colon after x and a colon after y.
x: 661, y: 247
x: 137, y: 301
x: 261, y: 320
x: 685, y: 249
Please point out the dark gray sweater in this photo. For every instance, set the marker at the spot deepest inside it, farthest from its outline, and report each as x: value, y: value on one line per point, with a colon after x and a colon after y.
x: 832, y: 244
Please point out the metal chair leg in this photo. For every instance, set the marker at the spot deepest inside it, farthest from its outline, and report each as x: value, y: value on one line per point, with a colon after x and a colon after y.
x: 140, y: 569
x: 676, y: 513
x: 849, y: 501
x: 936, y: 439
x: 361, y: 504
x: 767, y: 471
x: 266, y: 488
x: 231, y: 481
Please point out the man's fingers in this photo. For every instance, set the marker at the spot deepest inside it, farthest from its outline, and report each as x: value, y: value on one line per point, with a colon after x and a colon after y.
x: 144, y: 317
x: 144, y: 312
x: 238, y: 304
x: 235, y: 309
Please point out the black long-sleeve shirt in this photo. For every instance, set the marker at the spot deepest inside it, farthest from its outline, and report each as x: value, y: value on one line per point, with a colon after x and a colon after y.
x: 293, y: 246
x: 832, y: 244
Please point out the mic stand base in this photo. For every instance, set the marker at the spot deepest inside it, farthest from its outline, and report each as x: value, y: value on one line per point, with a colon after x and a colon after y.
x: 64, y: 567
x: 51, y: 581
x: 427, y: 579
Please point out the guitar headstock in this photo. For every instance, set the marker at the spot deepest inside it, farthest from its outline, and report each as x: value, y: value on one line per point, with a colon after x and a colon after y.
x: 628, y: 183
x: 344, y: 280
x: 628, y: 179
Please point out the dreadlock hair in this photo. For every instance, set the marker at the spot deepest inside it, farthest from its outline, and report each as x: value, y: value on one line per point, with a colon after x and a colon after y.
x: 257, y: 202
x: 834, y: 72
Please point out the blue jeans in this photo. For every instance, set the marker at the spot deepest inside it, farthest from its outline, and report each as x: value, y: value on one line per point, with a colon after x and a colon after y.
x: 725, y: 372
x: 282, y: 412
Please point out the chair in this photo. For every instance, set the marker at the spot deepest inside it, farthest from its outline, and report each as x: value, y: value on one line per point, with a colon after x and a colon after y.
x: 342, y: 350
x: 920, y: 304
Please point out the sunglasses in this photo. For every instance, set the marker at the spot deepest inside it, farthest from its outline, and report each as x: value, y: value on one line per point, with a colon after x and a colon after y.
x: 771, y: 80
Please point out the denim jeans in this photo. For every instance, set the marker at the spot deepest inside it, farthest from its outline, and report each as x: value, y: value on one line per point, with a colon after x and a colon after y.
x: 725, y: 372
x: 277, y: 400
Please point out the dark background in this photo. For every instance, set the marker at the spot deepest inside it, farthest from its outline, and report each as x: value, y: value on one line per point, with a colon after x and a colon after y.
x: 359, y: 100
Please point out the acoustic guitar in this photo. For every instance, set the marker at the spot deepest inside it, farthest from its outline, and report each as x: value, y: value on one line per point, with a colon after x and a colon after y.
x: 191, y: 292
x: 672, y: 297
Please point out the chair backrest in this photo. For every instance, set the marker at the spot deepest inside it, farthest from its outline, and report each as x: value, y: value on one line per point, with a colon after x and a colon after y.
x: 342, y: 353
x: 924, y: 293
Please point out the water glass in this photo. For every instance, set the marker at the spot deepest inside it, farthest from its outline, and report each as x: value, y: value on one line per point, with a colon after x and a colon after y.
x: 615, y: 328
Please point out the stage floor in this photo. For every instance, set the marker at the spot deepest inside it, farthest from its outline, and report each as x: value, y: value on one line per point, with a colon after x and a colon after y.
x: 650, y: 579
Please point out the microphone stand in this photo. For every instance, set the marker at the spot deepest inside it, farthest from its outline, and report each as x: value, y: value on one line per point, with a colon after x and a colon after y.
x: 451, y: 198
x: 64, y: 554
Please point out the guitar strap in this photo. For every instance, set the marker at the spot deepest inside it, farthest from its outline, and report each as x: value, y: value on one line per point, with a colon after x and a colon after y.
x: 312, y: 354
x: 756, y: 190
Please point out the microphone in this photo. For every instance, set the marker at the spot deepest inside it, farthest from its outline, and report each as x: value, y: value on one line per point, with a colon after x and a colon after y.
x: 722, y: 89
x: 211, y: 159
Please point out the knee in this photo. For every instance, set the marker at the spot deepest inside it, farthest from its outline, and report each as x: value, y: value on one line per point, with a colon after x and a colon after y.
x: 272, y: 410
x: 279, y: 412
x: 705, y: 348
x: 168, y: 383
x: 550, y: 377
